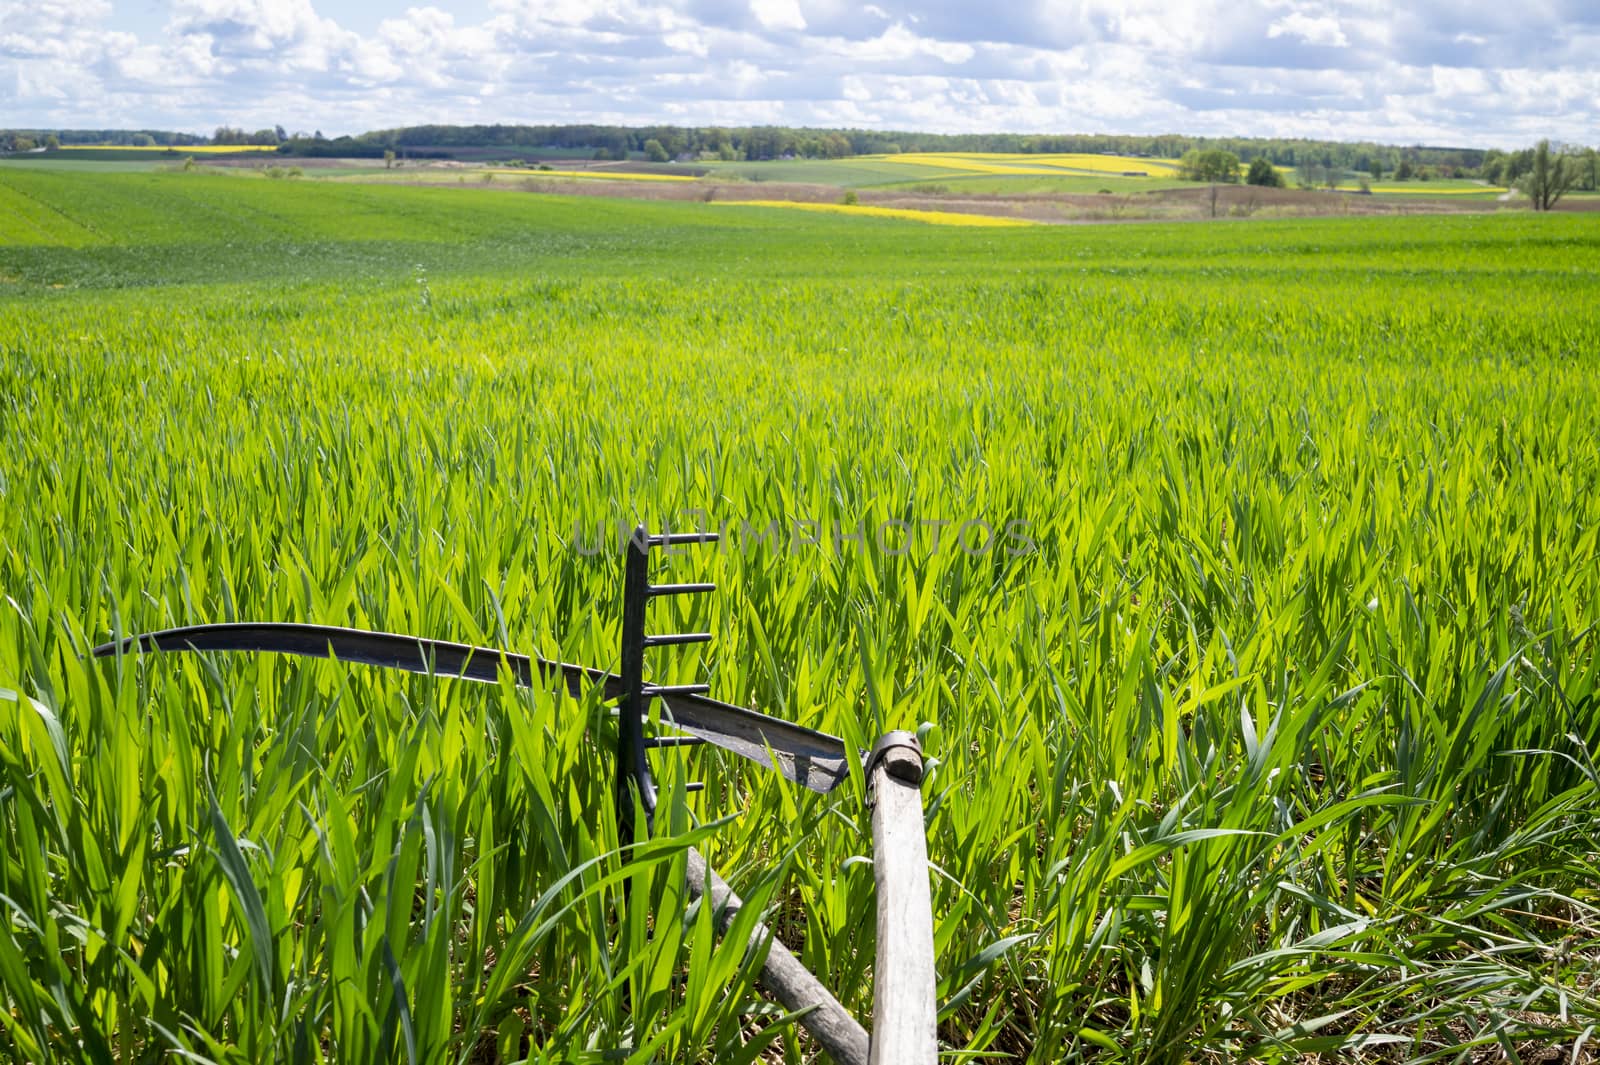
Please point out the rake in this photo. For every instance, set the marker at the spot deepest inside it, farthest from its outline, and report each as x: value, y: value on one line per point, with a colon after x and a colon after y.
x: 904, y: 1015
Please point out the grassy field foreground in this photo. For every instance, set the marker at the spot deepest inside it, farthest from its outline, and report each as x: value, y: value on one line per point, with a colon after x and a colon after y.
x: 1275, y: 738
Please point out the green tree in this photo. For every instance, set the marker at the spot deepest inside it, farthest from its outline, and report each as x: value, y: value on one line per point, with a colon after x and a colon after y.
x: 1403, y: 172
x: 1552, y: 175
x: 1263, y: 173
x: 1589, y: 171
x: 1493, y: 167
x: 1376, y: 169
x: 52, y: 143
x: 388, y: 158
x: 1517, y: 164
x: 1214, y: 165
x: 654, y: 151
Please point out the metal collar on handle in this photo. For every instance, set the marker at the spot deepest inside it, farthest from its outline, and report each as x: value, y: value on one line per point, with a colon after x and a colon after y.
x: 901, y: 757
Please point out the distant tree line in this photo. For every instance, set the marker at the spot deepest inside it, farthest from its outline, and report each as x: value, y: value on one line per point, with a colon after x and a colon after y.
x: 776, y: 142
x: 1552, y: 171
x: 1315, y: 162
x: 622, y: 142
x: 136, y: 138
x: 25, y: 140
x: 19, y: 140
x: 228, y: 135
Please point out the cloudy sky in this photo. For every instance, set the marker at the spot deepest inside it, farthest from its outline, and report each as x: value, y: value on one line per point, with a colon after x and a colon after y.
x: 1460, y: 72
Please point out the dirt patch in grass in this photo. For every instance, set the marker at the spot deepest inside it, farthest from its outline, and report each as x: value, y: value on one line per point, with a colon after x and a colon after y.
x: 1199, y: 202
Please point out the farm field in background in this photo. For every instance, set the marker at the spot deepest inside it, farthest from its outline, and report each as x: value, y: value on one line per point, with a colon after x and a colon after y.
x: 101, y: 154
x: 1042, y: 187
x: 942, y: 218
x: 1438, y: 188
x: 594, y: 174
x: 1043, y: 184
x: 994, y: 163
x: 865, y: 171
x: 181, y: 149
x: 855, y: 172
x: 1278, y: 740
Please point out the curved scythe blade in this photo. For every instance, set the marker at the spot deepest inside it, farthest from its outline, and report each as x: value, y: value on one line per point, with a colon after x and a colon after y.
x: 812, y: 759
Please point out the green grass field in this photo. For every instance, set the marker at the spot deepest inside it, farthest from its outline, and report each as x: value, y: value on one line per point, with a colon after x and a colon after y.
x: 1277, y: 740
x: 105, y: 155
x: 89, y: 164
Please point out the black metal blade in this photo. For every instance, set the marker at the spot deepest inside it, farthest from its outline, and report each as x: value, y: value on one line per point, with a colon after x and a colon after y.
x: 804, y: 756
x: 812, y: 759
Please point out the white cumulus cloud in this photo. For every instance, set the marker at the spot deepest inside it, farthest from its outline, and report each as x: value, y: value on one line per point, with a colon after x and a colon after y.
x: 778, y: 14
x: 1468, y: 72
x: 1310, y: 29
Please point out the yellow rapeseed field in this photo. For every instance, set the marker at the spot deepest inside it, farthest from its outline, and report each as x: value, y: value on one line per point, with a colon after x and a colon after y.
x: 938, y: 218
x: 1023, y: 164
x: 971, y: 164
x: 1108, y: 164
x: 1424, y: 189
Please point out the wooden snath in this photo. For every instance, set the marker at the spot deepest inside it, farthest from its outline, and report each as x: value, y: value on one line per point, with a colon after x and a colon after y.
x: 904, y: 1007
